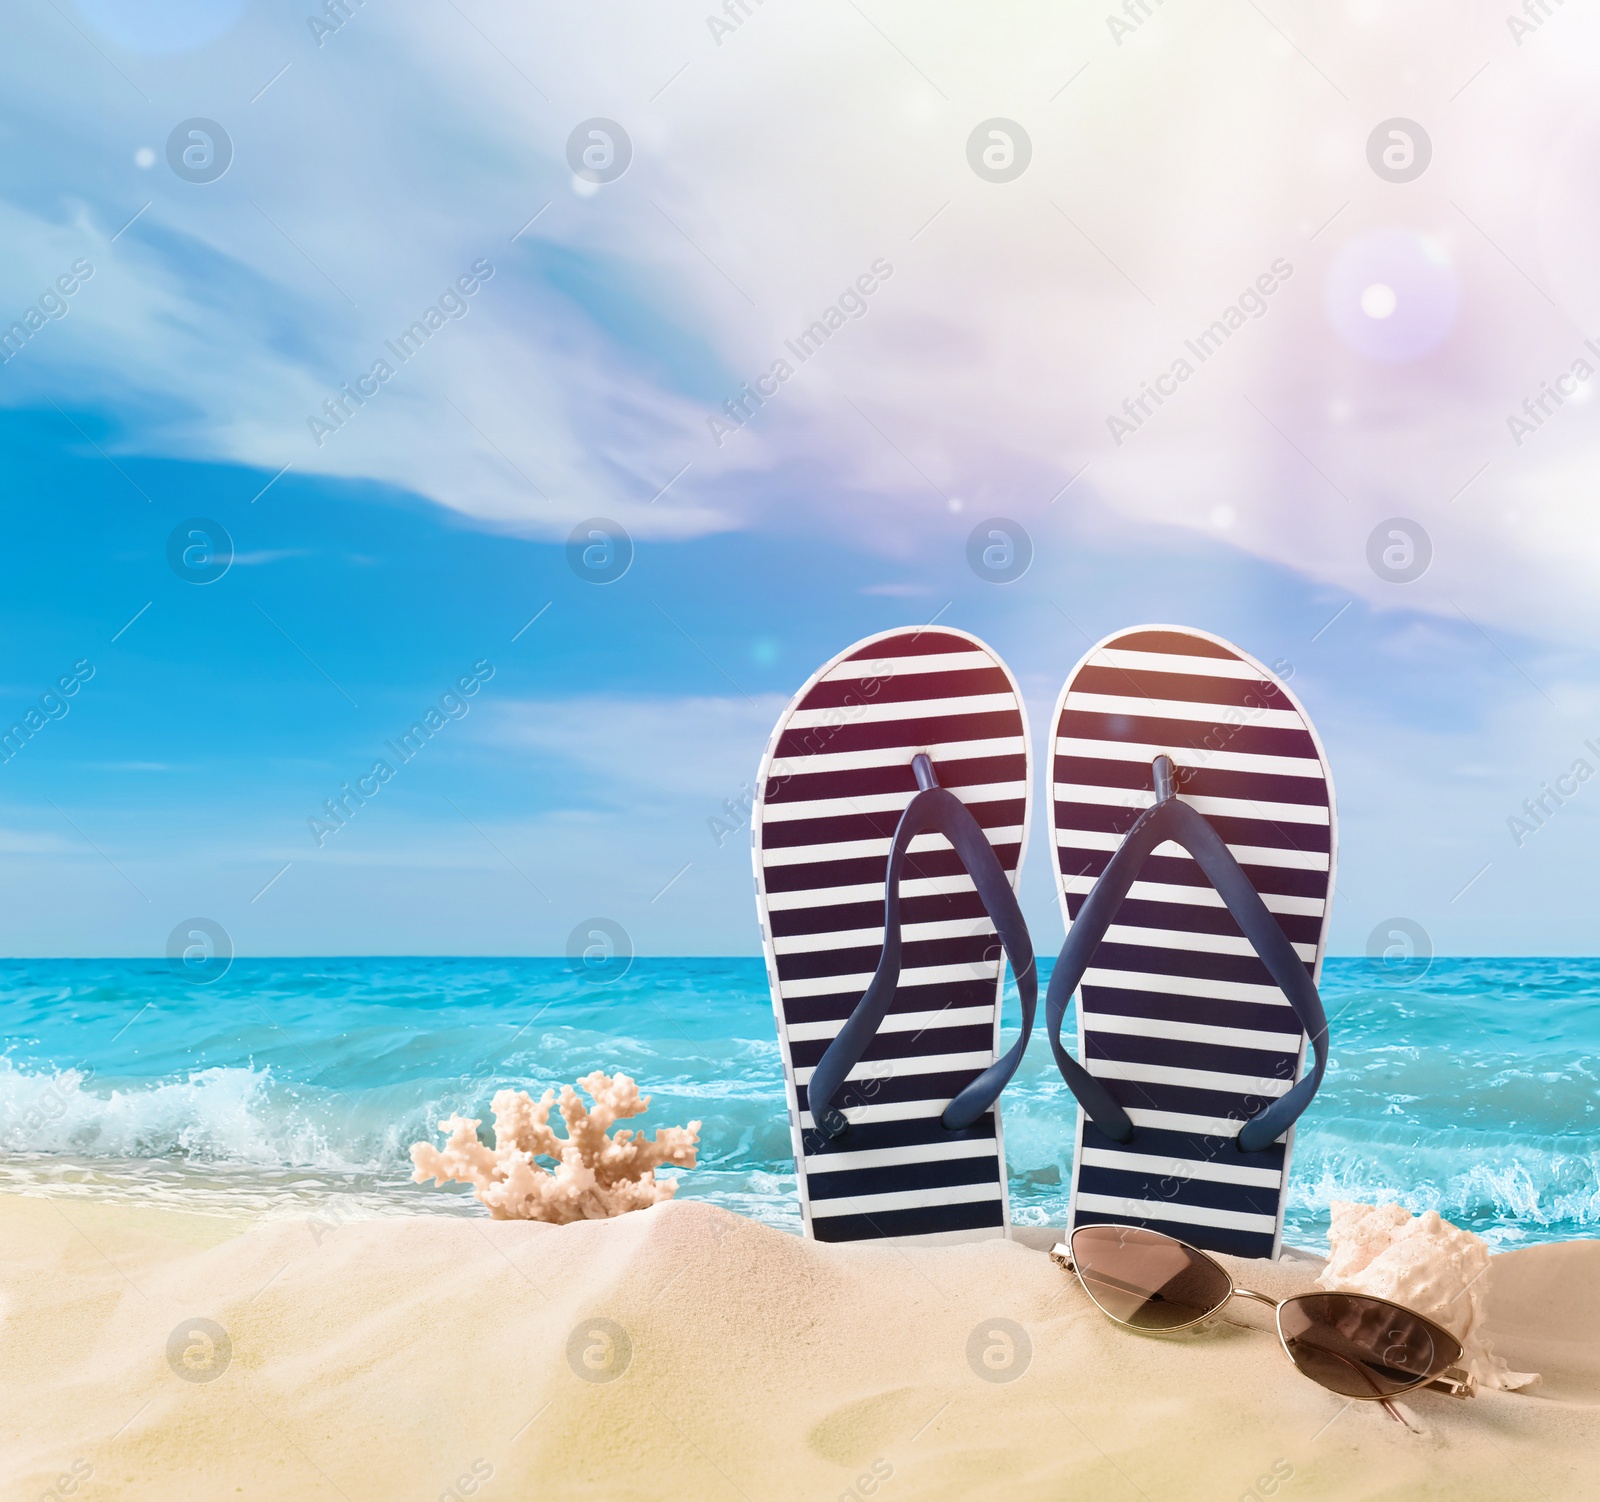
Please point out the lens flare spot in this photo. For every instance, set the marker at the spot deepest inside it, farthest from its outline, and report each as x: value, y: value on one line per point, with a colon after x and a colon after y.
x: 1392, y: 295
x: 1378, y: 301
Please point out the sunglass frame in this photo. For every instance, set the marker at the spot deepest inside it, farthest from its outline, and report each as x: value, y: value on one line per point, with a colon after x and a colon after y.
x: 1461, y: 1387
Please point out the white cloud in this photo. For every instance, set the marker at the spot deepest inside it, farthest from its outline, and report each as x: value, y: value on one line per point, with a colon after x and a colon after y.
x: 771, y: 171
x: 695, y: 749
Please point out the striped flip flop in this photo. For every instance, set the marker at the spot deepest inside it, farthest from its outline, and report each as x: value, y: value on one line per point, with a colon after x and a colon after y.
x: 1192, y: 816
x: 891, y: 820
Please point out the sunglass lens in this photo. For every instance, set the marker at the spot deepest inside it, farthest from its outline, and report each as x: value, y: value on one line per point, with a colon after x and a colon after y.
x: 1363, y: 1348
x: 1145, y: 1279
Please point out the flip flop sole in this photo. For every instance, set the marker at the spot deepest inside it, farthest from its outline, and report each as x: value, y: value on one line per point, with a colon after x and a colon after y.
x: 1177, y: 1016
x: 834, y: 781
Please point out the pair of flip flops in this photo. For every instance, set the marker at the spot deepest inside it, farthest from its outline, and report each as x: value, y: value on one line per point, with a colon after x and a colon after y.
x: 1192, y: 834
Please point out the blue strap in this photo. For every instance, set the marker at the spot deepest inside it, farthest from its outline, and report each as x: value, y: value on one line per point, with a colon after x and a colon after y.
x: 1169, y: 819
x: 932, y: 808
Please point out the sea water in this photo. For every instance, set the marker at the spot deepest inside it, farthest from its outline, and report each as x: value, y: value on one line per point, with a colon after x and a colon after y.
x: 292, y: 1087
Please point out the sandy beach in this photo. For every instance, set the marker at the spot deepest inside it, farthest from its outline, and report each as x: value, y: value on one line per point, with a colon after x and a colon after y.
x: 684, y: 1351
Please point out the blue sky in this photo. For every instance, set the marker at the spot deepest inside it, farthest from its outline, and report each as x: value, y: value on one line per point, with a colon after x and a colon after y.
x: 583, y: 775
x: 430, y: 529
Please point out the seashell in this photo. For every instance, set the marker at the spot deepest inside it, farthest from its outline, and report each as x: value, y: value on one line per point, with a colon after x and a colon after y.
x: 1427, y: 1265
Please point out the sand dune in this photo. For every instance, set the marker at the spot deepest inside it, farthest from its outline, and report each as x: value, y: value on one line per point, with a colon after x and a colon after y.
x: 685, y: 1352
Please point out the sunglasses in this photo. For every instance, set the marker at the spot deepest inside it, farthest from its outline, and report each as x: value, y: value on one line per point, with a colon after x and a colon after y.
x: 1353, y: 1344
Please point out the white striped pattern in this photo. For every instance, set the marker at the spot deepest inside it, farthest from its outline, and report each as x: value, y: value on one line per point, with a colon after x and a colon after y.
x: 890, y: 668
x: 845, y: 850
x: 1184, y: 1215
x: 914, y: 886
x: 1246, y: 855
x: 1182, y: 1168
x: 817, y: 763
x: 910, y: 979
x: 1183, y: 1121
x: 911, y: 1110
x: 1170, y: 709
x: 911, y: 710
x: 1163, y: 891
x: 906, y: 1199
x: 1183, y: 756
x: 896, y: 1022
x: 858, y: 938
x: 1192, y: 1032
x: 1191, y: 1079
x: 1170, y: 662
x: 898, y: 1069
x: 898, y: 1157
x: 1181, y: 1041
x: 1212, y: 808
x: 1185, y: 985
x: 879, y: 803
x: 837, y: 794
x: 1196, y: 943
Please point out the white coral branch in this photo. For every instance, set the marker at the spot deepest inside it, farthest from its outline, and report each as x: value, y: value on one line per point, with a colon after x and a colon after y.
x: 597, y: 1174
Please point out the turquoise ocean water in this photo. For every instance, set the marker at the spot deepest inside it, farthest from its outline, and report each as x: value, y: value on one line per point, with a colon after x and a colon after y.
x: 289, y: 1086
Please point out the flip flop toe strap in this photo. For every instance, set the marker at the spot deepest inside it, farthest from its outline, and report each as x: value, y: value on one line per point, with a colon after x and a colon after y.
x: 932, y: 809
x: 1169, y: 819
